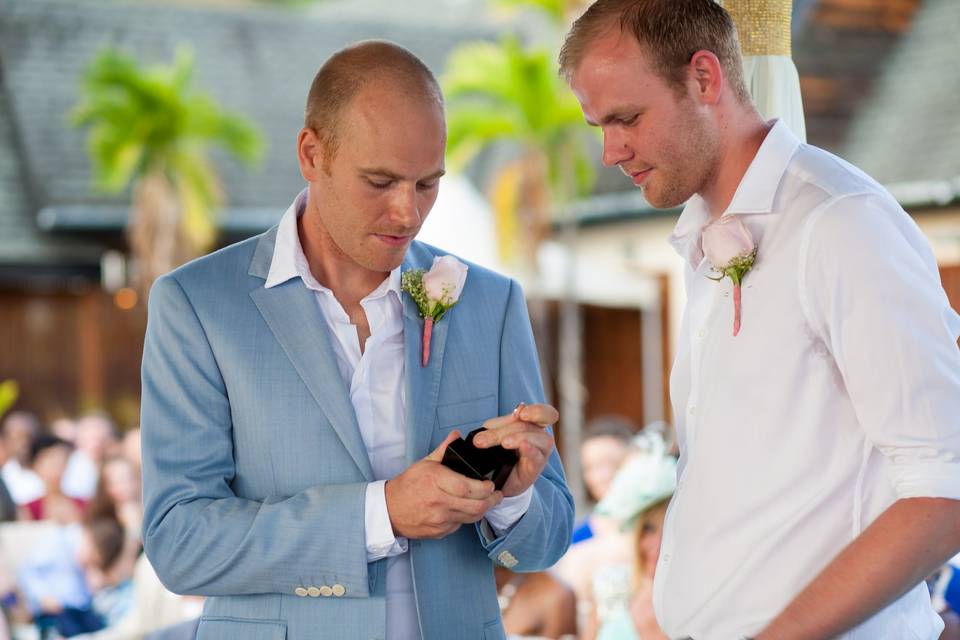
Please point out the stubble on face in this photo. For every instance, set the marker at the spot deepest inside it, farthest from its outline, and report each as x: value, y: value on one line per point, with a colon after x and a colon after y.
x: 686, y: 160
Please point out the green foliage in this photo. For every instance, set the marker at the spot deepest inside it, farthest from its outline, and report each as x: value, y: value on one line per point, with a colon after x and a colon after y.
x: 143, y: 117
x: 9, y: 392
x: 501, y: 91
x: 556, y: 10
x: 151, y: 119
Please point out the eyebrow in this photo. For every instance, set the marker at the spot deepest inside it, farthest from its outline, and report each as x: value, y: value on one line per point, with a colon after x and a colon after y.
x: 386, y: 173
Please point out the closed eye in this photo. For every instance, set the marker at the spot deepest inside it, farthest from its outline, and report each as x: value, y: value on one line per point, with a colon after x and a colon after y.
x: 380, y: 184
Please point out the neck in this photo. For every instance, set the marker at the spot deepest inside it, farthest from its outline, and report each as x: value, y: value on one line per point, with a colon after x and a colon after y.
x: 332, y: 268
x: 742, y: 133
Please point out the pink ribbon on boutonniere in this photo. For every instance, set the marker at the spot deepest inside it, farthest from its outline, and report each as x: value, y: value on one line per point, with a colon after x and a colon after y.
x: 435, y: 291
x: 730, y: 248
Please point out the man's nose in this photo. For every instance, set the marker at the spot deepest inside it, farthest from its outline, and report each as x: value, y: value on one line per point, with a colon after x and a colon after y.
x: 615, y: 149
x: 405, y: 209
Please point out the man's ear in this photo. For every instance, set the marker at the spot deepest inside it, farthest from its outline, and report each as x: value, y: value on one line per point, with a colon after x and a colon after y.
x: 310, y: 154
x: 707, y: 77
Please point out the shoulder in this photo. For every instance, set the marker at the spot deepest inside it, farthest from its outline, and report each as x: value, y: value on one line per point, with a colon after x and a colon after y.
x: 819, y: 170
x: 219, y: 269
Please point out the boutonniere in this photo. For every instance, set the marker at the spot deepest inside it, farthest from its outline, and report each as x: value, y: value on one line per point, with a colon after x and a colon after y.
x: 731, y: 250
x: 435, y: 291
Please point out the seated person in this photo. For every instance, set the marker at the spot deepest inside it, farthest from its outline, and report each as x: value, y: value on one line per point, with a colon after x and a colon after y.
x: 535, y: 604
x: 48, y: 460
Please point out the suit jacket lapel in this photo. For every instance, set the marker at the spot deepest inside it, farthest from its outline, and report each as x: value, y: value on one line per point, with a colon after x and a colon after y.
x: 296, y: 321
x: 423, y: 383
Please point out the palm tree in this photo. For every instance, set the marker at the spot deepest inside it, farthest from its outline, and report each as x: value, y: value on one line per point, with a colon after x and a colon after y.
x: 503, y: 92
x: 149, y: 130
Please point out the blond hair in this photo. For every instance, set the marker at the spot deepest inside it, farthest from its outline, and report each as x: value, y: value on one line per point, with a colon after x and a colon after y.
x: 670, y: 31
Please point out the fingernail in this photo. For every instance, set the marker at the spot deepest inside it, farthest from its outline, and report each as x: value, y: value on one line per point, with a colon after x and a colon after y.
x: 516, y: 412
x: 509, y: 442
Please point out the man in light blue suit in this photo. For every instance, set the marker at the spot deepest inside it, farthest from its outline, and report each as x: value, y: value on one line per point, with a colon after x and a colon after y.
x: 292, y: 437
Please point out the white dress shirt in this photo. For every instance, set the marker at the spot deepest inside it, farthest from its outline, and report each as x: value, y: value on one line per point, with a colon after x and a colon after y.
x: 375, y: 379
x: 840, y: 395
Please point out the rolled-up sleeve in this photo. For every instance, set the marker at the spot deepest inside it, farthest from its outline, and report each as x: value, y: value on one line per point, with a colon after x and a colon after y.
x: 873, y: 293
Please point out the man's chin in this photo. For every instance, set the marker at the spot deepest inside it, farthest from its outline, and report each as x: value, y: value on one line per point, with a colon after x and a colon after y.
x: 662, y: 200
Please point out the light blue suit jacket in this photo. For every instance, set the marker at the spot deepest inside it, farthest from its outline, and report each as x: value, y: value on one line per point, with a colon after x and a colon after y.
x: 254, y: 470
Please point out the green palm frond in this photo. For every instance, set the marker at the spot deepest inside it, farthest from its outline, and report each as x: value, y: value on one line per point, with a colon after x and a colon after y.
x: 149, y: 127
x: 502, y: 91
x: 556, y: 10
x: 142, y: 117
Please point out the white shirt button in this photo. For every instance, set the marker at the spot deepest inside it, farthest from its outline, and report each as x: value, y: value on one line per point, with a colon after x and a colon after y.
x: 338, y: 590
x: 313, y: 592
x: 692, y: 410
x: 702, y: 333
x: 326, y: 591
x: 300, y: 591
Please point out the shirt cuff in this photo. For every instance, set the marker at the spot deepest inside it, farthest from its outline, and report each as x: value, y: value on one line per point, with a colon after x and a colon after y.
x: 506, y: 514
x: 381, y: 543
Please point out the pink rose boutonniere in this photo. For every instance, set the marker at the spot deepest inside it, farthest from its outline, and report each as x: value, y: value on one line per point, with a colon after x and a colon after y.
x: 435, y: 291
x: 731, y: 251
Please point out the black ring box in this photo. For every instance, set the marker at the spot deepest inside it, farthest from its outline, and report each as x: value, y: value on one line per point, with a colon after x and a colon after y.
x: 494, y: 463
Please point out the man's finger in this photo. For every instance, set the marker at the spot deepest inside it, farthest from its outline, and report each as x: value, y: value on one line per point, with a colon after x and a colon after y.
x: 464, y: 510
x: 460, y: 486
x: 500, y: 422
x: 437, y: 454
x: 541, y: 414
x: 520, y: 429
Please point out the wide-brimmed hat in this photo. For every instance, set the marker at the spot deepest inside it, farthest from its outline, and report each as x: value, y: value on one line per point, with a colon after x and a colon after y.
x: 647, y: 477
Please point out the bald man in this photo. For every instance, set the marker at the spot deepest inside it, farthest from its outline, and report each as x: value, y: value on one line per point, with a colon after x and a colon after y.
x: 292, y: 437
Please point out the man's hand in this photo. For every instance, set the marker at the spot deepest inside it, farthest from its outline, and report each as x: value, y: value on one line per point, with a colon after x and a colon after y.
x: 429, y: 500
x: 524, y: 431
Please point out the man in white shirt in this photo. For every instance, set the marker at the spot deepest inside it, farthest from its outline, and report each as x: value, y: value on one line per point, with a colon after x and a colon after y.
x: 819, y: 475
x: 292, y: 435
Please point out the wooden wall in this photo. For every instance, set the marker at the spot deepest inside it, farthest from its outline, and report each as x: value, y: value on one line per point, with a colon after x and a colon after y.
x: 72, y: 352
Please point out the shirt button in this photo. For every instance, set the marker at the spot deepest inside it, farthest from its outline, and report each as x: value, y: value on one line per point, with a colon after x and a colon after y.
x: 300, y: 591
x: 693, y: 409
x: 313, y: 592
x: 702, y: 333
x: 338, y: 590
x: 666, y: 557
x: 326, y: 591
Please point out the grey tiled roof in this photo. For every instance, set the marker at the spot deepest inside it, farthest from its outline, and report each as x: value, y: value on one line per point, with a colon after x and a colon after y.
x: 909, y: 129
x: 259, y: 62
x: 21, y: 242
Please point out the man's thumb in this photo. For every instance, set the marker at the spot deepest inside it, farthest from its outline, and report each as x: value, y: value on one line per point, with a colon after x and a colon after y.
x: 437, y: 454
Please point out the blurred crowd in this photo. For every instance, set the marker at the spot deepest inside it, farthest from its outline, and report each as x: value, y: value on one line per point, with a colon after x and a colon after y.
x: 71, y: 557
x: 72, y: 563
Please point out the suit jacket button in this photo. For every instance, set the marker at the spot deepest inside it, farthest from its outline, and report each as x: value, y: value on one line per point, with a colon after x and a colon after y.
x: 313, y: 592
x: 300, y: 591
x: 506, y: 559
x: 326, y: 591
x: 338, y: 590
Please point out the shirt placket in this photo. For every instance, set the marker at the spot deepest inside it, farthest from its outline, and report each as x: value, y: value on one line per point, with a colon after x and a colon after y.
x: 703, y: 295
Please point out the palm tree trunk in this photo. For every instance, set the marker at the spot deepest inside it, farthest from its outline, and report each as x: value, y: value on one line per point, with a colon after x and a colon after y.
x: 154, y: 233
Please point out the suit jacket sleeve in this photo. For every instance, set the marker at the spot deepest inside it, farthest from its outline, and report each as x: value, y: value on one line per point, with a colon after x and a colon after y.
x: 544, y: 532
x: 199, y: 535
